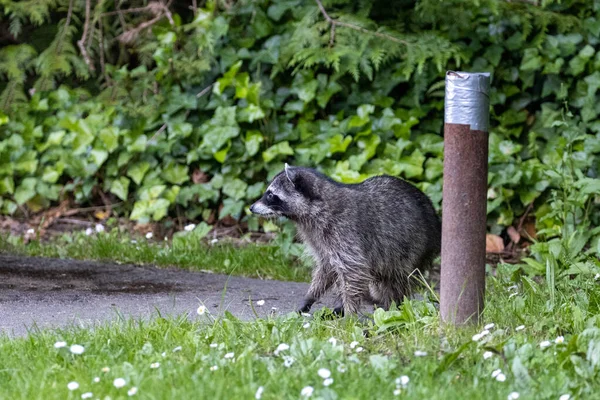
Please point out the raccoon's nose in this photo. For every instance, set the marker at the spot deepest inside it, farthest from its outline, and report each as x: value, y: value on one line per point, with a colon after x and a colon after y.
x: 252, y: 207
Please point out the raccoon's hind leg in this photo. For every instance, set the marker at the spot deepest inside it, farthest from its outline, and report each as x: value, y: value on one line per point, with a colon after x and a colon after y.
x: 338, y: 307
x: 324, y: 276
x: 392, y: 290
x: 354, y: 289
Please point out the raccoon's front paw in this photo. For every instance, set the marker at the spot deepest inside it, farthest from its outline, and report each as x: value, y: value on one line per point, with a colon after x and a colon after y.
x: 305, y: 306
x: 338, y: 309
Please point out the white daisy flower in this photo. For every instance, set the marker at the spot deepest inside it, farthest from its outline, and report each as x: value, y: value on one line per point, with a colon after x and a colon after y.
x: 487, y: 355
x: 87, y: 395
x: 163, y: 354
x: 477, y: 337
x: 559, y: 340
x: 260, y: 303
x: 288, y: 361
x: 489, y: 326
x: 306, y: 325
x: 149, y: 235
x: 501, y: 378
x: 201, y: 310
x: 89, y: 231
x: 496, y: 372
x: 214, y: 345
x: 420, y: 353
x: 30, y: 231
x: 353, y: 344
x: 59, y: 345
x: 307, y: 391
x: 96, y: 379
x: 73, y: 385
x: 484, y: 332
x: 513, y: 396
x: 402, y: 381
x: 229, y: 355
x: 99, y: 228
x: 119, y: 383
x: 327, y: 381
x: 215, y: 240
x: 565, y: 397
x: 132, y: 392
x: 333, y: 341
x: 105, y: 369
x: 596, y: 277
x: 544, y: 344
x: 397, y: 392
x: 341, y: 368
x: 324, y: 373
x: 154, y: 365
x: 520, y: 328
x: 176, y: 349
x: 304, y: 314
x: 189, y: 228
x: 359, y: 349
x: 214, y: 368
x: 281, y: 347
x: 77, y: 349
x: 259, y: 392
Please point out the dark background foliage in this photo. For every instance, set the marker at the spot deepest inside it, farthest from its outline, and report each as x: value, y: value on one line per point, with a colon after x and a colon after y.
x: 186, y: 108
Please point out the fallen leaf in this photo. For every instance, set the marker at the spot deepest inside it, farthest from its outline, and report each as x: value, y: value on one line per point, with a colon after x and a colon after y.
x: 529, y: 227
x: 199, y: 177
x: 514, y: 235
x: 493, y: 243
x: 102, y: 214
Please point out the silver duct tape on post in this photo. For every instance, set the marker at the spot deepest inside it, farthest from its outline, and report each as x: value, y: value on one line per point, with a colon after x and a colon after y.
x: 468, y: 99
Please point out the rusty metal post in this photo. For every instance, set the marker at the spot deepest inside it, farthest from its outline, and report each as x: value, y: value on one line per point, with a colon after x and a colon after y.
x: 464, y: 196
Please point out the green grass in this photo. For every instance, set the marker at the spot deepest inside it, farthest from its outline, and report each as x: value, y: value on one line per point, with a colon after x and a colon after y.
x: 257, y: 261
x: 453, y: 368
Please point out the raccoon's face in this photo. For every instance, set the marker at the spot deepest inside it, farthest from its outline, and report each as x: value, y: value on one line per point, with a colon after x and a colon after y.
x: 289, y: 195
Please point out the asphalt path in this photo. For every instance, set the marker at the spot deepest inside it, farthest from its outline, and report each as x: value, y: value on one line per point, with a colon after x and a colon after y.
x: 43, y: 293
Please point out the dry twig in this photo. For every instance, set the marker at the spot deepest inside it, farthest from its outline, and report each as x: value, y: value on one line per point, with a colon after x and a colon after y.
x: 337, y: 22
x: 81, y: 42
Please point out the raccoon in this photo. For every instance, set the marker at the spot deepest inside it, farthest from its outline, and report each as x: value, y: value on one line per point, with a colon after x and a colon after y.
x: 366, y: 238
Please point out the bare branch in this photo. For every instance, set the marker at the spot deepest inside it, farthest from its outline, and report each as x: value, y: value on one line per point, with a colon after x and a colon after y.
x: 204, y: 91
x: 158, y: 132
x: 334, y: 22
x: 194, y: 7
x: 64, y: 31
x: 81, y: 42
x: 102, y: 63
x: 128, y: 36
x: 151, y: 7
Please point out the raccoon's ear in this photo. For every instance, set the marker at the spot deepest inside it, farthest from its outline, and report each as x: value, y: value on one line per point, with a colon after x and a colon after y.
x: 289, y: 174
x: 303, y: 183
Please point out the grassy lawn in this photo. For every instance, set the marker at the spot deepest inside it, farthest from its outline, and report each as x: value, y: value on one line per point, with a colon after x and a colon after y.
x: 541, y: 345
x: 256, y: 261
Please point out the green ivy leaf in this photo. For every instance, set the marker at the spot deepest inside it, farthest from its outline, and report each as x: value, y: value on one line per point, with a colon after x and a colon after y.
x: 120, y: 188
x: 253, y: 140
x: 110, y: 137
x: 137, y: 171
x: 282, y: 148
x: 7, y: 185
x: 176, y: 173
x: 235, y: 188
x: 231, y: 207
x: 25, y: 191
x: 531, y: 61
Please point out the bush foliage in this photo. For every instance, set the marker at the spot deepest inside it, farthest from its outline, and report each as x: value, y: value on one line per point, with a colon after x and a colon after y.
x: 183, y: 110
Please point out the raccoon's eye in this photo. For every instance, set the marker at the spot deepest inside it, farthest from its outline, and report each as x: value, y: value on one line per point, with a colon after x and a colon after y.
x: 272, y: 198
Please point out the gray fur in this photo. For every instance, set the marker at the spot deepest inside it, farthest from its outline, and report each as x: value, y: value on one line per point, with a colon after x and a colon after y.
x: 366, y: 238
